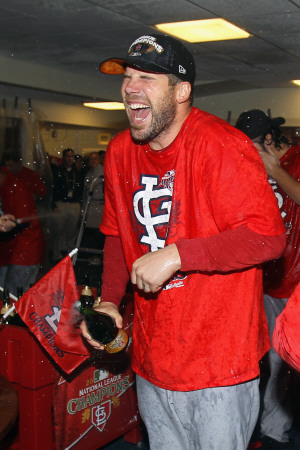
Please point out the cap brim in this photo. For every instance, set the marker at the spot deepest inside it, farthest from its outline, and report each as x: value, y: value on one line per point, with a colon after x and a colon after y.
x: 278, y: 121
x: 116, y: 66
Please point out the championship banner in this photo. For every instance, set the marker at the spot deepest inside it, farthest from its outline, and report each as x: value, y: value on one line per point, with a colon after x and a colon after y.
x: 99, y: 404
x: 40, y: 308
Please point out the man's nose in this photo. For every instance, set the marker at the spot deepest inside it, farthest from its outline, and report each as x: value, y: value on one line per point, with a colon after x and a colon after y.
x: 132, y: 85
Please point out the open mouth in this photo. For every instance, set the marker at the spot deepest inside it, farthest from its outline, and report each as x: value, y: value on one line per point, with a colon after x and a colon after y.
x: 139, y: 112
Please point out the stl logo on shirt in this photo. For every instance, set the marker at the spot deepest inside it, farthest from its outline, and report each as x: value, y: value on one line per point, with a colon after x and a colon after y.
x: 152, y: 207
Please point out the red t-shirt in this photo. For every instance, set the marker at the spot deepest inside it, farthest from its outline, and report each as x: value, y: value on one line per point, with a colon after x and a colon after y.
x: 286, y: 336
x: 282, y: 275
x: 203, y: 329
x: 31, y: 179
x: 25, y: 247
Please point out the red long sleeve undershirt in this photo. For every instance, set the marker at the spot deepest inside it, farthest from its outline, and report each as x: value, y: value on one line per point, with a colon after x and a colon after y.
x: 231, y: 250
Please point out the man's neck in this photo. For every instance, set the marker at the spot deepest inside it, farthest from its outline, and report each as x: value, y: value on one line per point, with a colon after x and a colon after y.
x: 165, y: 139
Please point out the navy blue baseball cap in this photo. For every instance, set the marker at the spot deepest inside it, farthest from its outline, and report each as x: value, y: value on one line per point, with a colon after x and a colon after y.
x: 255, y: 123
x: 157, y: 54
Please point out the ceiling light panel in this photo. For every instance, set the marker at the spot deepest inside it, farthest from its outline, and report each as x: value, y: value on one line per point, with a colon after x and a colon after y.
x: 108, y: 106
x: 207, y: 30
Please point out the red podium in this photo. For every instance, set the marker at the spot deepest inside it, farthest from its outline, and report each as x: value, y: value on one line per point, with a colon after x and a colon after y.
x: 86, y: 410
x: 28, y: 368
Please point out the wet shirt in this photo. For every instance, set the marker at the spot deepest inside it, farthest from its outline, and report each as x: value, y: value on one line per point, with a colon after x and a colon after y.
x: 286, y: 336
x: 202, y: 329
x: 282, y: 275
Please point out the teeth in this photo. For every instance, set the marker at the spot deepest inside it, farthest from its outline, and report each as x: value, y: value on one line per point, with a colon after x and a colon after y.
x: 138, y: 106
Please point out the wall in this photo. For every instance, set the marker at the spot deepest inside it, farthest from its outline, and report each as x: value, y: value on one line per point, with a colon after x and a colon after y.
x: 83, y: 140
x: 64, y: 124
x: 281, y: 102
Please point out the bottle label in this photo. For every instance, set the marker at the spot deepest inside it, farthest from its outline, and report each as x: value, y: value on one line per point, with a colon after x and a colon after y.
x: 118, y: 343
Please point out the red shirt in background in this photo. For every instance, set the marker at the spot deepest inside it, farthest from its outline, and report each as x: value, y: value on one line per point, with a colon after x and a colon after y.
x: 282, y: 275
x: 22, y: 246
x: 286, y: 336
x: 31, y: 179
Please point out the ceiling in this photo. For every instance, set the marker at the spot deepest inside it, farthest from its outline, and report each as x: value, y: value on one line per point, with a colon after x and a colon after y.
x: 64, y: 41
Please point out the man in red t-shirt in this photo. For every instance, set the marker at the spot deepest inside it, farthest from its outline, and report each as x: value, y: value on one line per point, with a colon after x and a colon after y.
x: 22, y: 249
x: 186, y: 214
x: 13, y: 164
x: 281, y: 276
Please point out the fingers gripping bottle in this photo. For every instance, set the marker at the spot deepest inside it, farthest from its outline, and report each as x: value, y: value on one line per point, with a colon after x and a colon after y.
x: 103, y: 329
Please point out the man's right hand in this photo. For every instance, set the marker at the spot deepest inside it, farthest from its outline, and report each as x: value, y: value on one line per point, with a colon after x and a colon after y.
x: 7, y: 222
x: 108, y: 308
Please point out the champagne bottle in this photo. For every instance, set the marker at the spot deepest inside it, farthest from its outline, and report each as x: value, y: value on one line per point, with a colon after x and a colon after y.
x: 103, y: 329
x: 5, y: 307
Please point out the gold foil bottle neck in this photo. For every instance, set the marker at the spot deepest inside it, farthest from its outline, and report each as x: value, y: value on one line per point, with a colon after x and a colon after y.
x: 86, y: 291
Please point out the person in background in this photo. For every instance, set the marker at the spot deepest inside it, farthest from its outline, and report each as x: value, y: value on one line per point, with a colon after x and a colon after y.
x: 7, y: 222
x: 102, y: 156
x: 80, y: 165
x: 52, y: 162
x: 66, y: 203
x: 22, y: 249
x: 281, y: 276
x: 13, y: 163
x: 93, y: 202
x: 182, y: 216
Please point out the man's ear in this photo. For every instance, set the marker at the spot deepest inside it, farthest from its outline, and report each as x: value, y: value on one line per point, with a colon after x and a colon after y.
x: 183, y: 91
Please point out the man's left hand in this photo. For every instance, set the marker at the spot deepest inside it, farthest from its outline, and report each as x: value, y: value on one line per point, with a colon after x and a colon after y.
x: 153, y: 269
x: 269, y: 157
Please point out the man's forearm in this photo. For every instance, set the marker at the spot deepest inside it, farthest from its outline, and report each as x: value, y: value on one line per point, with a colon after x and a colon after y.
x: 115, y: 274
x: 231, y: 250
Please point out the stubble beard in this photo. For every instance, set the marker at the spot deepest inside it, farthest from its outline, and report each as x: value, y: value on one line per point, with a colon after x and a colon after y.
x: 163, y: 116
